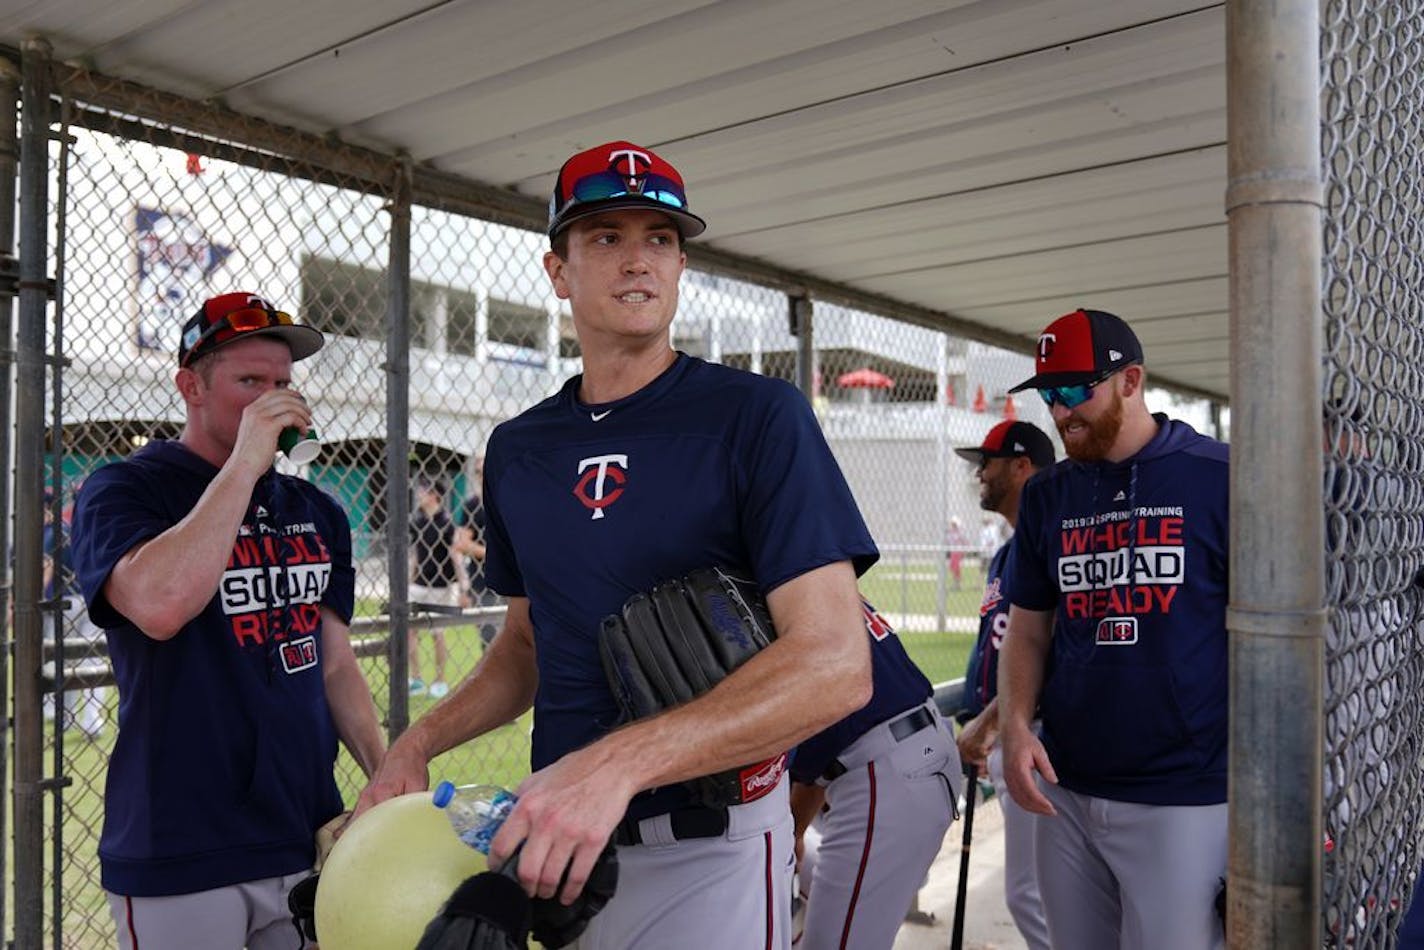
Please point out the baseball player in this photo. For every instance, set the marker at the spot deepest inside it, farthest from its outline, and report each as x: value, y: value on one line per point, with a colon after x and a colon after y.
x: 1009, y: 455
x: 226, y: 591
x: 649, y: 465
x: 884, y: 781
x: 1117, y: 635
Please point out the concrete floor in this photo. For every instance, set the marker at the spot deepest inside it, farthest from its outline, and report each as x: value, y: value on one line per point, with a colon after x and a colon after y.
x: 987, y: 925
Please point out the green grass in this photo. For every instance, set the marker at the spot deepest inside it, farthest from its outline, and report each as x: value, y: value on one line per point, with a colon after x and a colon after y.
x: 913, y: 587
x: 501, y: 757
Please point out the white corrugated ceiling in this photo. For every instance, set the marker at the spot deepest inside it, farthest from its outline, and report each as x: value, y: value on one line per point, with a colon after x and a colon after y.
x: 998, y: 162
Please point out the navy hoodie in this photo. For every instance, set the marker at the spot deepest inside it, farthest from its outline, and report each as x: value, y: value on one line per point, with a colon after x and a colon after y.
x: 1132, y: 559
x: 222, y: 770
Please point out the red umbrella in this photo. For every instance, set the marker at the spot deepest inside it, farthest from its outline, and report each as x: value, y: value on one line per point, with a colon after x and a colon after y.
x: 865, y: 378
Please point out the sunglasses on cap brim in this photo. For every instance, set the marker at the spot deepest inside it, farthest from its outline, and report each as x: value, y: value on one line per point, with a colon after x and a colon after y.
x: 601, y: 186
x: 235, y: 324
x: 1071, y: 397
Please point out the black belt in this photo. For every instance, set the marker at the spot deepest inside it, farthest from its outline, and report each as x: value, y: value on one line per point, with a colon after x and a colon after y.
x: 685, y: 823
x: 900, y: 730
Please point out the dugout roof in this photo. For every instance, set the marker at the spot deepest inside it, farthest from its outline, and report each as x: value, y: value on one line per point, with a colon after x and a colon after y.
x: 981, y: 166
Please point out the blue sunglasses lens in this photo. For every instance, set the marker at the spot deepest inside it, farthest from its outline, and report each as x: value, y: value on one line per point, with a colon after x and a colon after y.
x: 1069, y: 397
x: 604, y: 185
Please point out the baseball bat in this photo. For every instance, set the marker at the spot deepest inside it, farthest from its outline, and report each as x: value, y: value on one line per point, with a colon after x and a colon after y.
x: 956, y: 940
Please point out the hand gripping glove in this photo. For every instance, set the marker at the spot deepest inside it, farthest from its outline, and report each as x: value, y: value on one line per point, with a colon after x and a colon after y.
x: 672, y: 645
x: 555, y: 925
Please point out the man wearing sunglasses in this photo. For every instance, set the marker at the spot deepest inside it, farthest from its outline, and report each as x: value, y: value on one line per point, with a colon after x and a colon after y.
x: 226, y: 591
x: 1117, y: 637
x: 649, y: 465
x: 1011, y: 454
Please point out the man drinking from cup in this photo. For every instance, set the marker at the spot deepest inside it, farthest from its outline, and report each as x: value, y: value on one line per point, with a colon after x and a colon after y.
x: 226, y: 592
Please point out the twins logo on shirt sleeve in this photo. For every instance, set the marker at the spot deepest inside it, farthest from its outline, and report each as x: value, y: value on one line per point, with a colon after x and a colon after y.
x: 993, y: 603
x: 1119, y: 565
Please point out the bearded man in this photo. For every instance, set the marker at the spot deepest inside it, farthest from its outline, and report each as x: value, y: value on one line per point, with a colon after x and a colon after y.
x: 1119, y: 575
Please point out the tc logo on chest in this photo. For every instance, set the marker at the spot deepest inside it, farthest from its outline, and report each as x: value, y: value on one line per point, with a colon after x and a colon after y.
x: 601, y: 480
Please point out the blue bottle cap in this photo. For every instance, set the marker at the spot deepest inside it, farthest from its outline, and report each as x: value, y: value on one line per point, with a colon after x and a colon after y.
x: 443, y: 793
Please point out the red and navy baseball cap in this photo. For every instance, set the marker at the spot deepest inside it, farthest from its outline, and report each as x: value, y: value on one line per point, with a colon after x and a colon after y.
x: 1082, y: 347
x: 237, y: 316
x: 620, y: 176
x: 1009, y: 440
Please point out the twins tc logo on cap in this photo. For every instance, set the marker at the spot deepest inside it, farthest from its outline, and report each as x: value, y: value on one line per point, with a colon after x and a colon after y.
x: 1080, y: 348
x: 633, y: 164
x: 620, y: 176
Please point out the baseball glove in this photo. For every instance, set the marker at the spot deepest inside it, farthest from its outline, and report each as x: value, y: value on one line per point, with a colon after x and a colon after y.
x: 485, y: 912
x: 676, y: 643
x: 555, y: 925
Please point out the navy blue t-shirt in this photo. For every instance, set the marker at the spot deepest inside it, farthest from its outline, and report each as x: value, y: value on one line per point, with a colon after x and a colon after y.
x: 899, y: 685
x: 981, y: 674
x: 588, y: 505
x: 1132, y: 559
x: 222, y: 769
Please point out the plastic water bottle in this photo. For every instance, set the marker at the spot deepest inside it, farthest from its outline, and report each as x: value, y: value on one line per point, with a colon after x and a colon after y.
x: 476, y: 812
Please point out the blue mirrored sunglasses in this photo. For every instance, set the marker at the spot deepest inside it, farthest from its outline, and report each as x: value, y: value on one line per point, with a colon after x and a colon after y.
x: 1070, y: 397
x: 604, y: 185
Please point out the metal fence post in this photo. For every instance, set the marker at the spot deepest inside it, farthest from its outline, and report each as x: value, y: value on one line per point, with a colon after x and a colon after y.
x: 1276, y: 618
x: 9, y: 158
x: 29, y: 465
x: 398, y: 451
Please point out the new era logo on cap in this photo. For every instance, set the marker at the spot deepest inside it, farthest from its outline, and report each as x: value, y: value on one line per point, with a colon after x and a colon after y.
x: 1080, y: 348
x: 1015, y: 439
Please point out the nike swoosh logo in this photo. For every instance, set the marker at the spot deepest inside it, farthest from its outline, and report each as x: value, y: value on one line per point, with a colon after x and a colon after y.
x: 598, y: 416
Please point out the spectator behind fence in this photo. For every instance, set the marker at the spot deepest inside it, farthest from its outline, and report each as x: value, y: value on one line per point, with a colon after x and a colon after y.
x: 470, y: 541
x: 226, y: 590
x: 437, y: 577
x: 955, y: 540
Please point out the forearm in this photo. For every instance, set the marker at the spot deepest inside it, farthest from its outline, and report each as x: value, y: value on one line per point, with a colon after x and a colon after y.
x: 806, y: 802
x: 499, y: 690
x: 348, y: 695
x: 354, y: 713
x: 166, y: 581
x: 1022, y: 659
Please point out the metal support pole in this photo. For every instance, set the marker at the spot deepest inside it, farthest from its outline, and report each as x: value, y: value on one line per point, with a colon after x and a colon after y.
x: 398, y: 452
x: 9, y: 166
x: 1277, y: 617
x: 29, y: 467
x: 800, y: 315
x: 942, y: 464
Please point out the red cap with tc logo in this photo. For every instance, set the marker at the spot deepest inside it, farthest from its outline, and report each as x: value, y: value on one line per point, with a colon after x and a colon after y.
x: 620, y: 176
x: 1080, y: 348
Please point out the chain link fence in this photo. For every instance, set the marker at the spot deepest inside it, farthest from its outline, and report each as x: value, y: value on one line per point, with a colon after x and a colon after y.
x: 1372, y: 116
x: 155, y: 205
